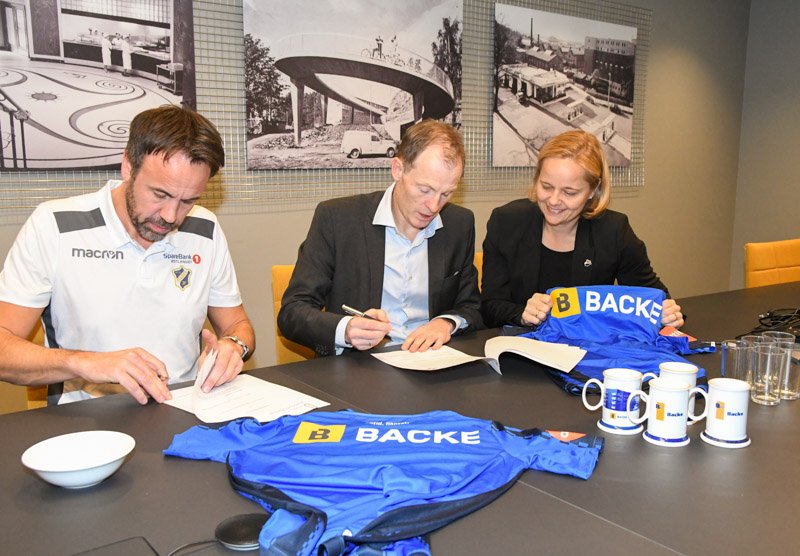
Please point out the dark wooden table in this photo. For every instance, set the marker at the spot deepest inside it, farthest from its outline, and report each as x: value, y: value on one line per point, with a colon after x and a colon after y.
x: 642, y: 499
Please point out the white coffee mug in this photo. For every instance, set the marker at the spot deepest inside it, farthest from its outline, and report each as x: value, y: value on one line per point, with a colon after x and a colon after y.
x: 667, y: 411
x: 681, y: 371
x: 616, y: 388
x: 726, y: 418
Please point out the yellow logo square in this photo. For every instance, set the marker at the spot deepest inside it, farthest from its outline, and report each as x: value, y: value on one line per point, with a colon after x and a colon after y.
x: 565, y: 302
x: 309, y: 433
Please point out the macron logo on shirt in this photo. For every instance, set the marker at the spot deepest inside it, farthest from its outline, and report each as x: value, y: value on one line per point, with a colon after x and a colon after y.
x: 80, y: 253
x: 74, y: 221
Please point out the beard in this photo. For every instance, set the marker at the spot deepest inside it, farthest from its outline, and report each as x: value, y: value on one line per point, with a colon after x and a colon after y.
x: 141, y: 224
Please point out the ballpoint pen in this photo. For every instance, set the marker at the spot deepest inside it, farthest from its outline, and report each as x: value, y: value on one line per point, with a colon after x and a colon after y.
x: 356, y: 313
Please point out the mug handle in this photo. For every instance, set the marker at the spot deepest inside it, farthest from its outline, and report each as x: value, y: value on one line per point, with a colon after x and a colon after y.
x: 642, y: 398
x: 602, y: 394
x: 702, y: 392
x: 651, y: 375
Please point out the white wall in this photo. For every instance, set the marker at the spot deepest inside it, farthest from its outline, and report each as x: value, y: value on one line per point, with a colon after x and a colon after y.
x: 768, y: 193
x: 684, y: 212
x: 694, y: 98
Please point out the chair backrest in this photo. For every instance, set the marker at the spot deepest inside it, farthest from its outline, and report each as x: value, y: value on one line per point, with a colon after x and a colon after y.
x: 37, y: 395
x: 771, y: 262
x: 286, y: 350
x: 478, y: 262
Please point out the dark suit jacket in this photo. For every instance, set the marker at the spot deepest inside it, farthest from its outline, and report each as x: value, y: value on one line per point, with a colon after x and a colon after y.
x: 341, y: 261
x: 606, y: 250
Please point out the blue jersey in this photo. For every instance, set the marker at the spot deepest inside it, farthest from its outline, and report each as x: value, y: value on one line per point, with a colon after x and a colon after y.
x: 350, y: 482
x: 618, y: 326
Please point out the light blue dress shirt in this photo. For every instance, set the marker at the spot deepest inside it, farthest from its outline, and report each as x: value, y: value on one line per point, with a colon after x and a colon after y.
x: 405, y: 277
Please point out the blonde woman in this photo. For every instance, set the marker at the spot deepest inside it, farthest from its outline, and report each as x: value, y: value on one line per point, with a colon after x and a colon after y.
x: 563, y: 234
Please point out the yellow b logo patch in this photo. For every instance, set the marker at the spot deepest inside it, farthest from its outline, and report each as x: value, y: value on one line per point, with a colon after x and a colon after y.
x: 565, y: 302
x: 309, y: 433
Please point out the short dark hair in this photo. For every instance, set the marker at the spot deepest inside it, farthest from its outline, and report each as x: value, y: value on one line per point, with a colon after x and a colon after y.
x: 171, y: 129
x: 429, y: 132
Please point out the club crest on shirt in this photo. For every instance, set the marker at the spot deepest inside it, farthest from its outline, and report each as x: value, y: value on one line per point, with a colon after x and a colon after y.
x: 182, y: 276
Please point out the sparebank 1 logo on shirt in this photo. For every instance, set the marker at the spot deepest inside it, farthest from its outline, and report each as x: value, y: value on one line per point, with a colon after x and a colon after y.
x: 183, y: 258
x: 566, y: 303
x: 310, y: 433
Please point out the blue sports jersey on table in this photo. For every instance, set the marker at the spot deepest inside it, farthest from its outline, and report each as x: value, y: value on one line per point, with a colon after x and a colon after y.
x: 618, y: 326
x: 352, y: 481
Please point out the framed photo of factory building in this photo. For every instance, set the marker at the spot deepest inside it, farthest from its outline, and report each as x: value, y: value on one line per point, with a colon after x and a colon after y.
x: 554, y: 72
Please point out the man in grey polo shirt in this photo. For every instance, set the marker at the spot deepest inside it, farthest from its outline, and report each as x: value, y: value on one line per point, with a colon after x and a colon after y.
x: 124, y: 278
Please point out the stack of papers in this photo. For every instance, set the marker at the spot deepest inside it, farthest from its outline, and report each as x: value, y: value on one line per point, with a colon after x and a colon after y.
x: 562, y: 357
x: 244, y: 396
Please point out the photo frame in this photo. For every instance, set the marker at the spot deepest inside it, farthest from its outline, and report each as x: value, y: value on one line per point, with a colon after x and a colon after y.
x: 74, y: 74
x: 331, y: 85
x: 570, y: 65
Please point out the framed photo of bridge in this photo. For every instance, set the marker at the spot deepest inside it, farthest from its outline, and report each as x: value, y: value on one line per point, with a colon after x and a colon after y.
x: 556, y: 71
x: 335, y: 84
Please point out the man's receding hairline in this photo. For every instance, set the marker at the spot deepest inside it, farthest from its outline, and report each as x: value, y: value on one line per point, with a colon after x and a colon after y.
x: 446, y: 147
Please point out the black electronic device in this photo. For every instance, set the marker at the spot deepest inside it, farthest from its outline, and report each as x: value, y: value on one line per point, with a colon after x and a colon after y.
x: 240, y: 532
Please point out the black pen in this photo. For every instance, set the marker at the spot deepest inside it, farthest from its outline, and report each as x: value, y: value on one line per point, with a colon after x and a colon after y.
x: 356, y: 313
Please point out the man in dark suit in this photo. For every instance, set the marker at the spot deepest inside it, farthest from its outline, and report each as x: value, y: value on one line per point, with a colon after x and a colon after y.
x: 406, y: 254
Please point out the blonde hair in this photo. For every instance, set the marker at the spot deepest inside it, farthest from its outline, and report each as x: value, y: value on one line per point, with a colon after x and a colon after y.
x: 585, y: 150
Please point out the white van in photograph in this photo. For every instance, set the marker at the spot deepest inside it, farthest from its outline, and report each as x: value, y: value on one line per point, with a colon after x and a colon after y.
x: 356, y: 143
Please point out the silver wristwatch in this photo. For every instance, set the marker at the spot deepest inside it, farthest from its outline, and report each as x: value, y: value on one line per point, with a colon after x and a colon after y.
x: 245, y: 348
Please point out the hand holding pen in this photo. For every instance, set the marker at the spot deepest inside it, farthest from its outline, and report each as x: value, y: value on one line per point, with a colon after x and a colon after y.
x: 367, y: 329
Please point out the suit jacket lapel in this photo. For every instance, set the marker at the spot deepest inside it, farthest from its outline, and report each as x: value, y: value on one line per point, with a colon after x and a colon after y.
x: 583, y: 257
x: 436, y: 267
x: 376, y: 249
x: 530, y: 251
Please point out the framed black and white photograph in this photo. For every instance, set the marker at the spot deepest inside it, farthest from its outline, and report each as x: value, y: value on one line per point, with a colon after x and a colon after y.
x: 73, y: 73
x: 555, y: 72
x: 335, y: 84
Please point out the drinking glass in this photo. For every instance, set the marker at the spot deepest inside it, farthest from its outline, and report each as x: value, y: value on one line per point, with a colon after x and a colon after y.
x: 769, y: 363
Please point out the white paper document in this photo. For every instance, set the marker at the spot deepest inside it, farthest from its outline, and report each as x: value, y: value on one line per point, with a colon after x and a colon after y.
x: 244, y: 396
x: 558, y: 356
x: 430, y: 360
x: 562, y: 357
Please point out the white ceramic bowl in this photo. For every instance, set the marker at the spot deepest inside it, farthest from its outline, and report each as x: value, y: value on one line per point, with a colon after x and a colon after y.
x: 78, y: 459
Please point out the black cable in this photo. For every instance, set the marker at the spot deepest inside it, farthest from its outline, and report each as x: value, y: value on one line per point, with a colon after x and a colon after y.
x: 787, y: 319
x: 190, y: 544
x: 780, y: 318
